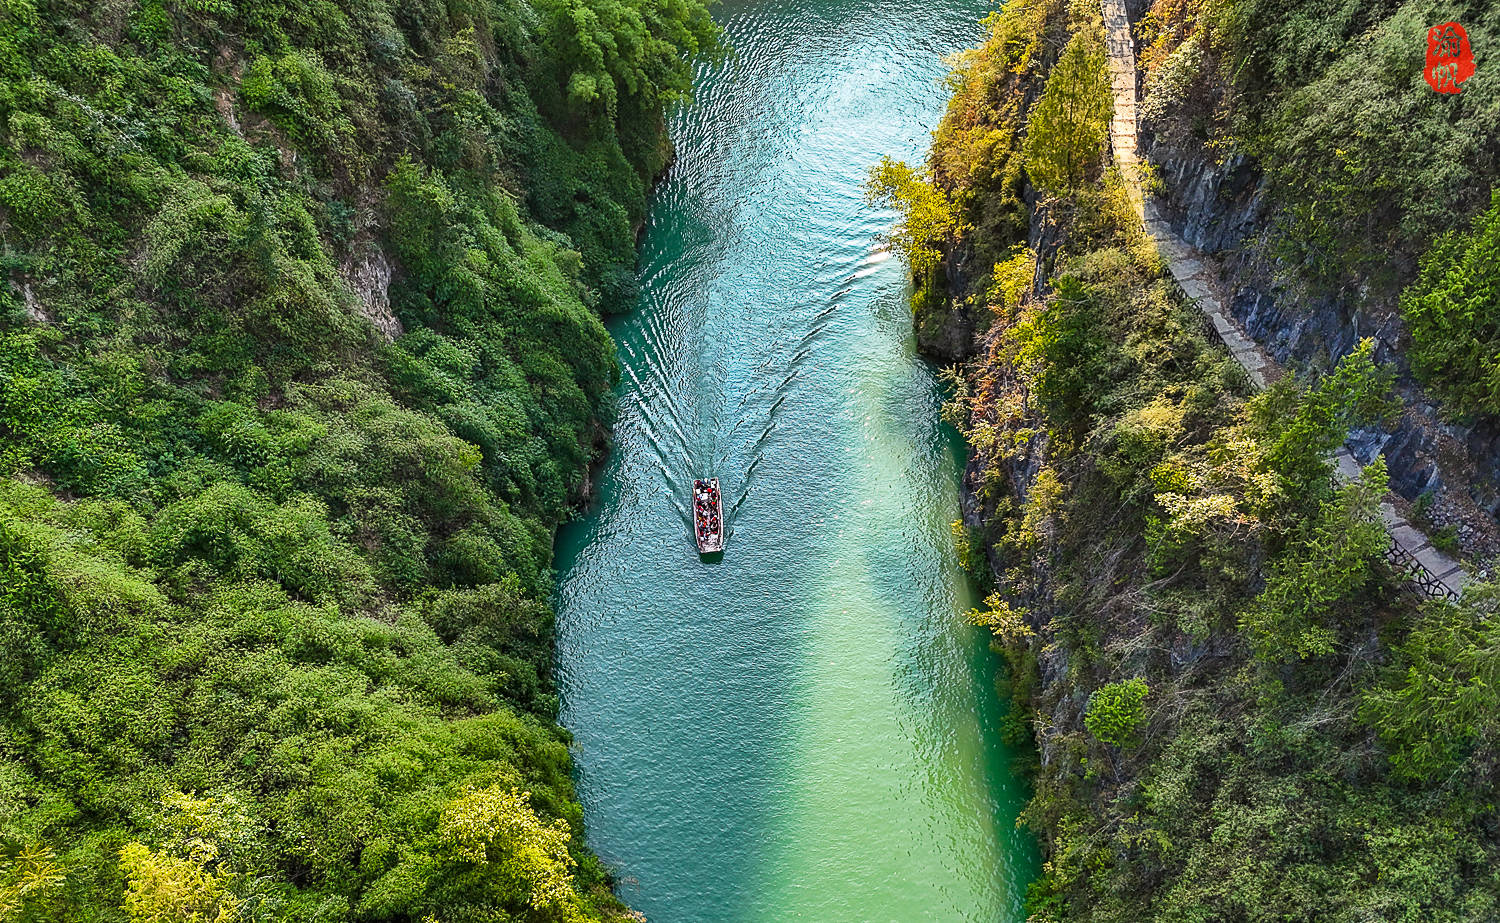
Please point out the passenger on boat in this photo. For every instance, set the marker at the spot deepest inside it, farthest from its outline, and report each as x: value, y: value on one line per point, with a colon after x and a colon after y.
x: 706, y: 511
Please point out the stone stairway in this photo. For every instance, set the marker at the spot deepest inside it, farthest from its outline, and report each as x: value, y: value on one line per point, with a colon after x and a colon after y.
x: 1427, y: 570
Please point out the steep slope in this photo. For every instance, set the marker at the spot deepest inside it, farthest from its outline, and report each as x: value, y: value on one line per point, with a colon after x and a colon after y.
x: 1241, y: 711
x: 1300, y: 146
x: 300, y: 367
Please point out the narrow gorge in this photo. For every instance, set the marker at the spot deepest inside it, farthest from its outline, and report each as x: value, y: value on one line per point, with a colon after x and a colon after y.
x: 1103, y: 396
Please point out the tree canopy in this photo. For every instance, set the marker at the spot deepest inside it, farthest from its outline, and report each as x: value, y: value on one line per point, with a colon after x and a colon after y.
x: 301, y: 364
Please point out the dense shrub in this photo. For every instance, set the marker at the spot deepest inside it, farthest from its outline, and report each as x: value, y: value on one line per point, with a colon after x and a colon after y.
x: 976, y: 155
x: 1301, y: 427
x: 1320, y: 578
x: 300, y: 367
x: 1116, y: 712
x: 1451, y: 313
x: 1062, y: 350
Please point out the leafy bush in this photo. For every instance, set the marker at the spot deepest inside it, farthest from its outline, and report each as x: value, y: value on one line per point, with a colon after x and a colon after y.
x: 1116, y: 712
x: 976, y: 153
x: 298, y: 94
x: 1450, y: 311
x: 1006, y: 621
x: 1305, y: 429
x: 1062, y: 350
x: 1319, y: 576
x: 926, y: 216
x: 1440, y: 700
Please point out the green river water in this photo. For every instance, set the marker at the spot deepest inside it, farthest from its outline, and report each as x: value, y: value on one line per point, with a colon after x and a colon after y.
x: 805, y: 729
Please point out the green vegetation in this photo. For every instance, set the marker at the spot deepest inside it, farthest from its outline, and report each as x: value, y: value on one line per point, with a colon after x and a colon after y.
x: 1370, y: 174
x: 1450, y: 311
x: 1067, y: 129
x: 1439, y: 710
x: 926, y: 220
x: 925, y: 226
x: 300, y: 367
x: 1116, y: 712
x: 1367, y: 165
x: 1060, y: 350
x: 977, y: 172
x: 1326, y: 568
x: 976, y: 154
x: 1241, y: 714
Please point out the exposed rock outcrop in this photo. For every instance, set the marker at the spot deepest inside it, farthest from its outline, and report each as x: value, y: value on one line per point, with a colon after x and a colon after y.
x: 1451, y: 470
x: 367, y: 272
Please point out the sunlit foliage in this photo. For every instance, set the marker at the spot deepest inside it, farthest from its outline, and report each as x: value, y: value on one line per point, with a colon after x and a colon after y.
x: 1008, y: 622
x: 1320, y: 577
x: 301, y: 364
x: 1067, y: 129
x: 505, y: 846
x: 926, y: 221
x: 168, y: 889
x: 1116, y: 712
x: 1452, y: 313
x: 976, y: 154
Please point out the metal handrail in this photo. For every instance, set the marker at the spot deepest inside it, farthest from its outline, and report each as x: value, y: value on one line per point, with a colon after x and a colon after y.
x: 1416, y: 575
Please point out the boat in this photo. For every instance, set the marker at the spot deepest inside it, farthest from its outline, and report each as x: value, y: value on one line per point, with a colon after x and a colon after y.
x: 708, y: 515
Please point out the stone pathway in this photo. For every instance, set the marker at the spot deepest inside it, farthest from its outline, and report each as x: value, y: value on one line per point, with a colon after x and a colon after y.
x: 1427, y: 569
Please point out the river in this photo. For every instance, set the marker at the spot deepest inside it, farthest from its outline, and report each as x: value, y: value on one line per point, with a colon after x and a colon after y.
x: 805, y: 729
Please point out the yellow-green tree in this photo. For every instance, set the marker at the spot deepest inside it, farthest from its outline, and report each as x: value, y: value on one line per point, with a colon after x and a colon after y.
x: 1068, y: 127
x: 927, y: 216
x: 1006, y: 621
x: 165, y: 888
x: 510, y: 849
x: 193, y: 877
x: 30, y: 879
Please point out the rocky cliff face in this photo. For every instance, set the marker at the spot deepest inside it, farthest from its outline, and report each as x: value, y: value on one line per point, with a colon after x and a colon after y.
x: 1449, y: 471
x: 1194, y: 676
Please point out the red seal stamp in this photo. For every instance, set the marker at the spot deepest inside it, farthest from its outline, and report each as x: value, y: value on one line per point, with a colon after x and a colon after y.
x: 1450, y: 59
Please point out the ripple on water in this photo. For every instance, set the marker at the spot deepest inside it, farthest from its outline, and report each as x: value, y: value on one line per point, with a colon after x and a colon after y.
x: 805, y: 730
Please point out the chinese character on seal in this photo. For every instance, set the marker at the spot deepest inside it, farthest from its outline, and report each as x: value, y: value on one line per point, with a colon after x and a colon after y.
x: 1450, y: 59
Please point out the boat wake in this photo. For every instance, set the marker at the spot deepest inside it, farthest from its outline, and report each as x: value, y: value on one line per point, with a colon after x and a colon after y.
x: 725, y: 433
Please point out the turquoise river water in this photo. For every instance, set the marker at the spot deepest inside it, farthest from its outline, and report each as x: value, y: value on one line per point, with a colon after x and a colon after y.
x: 805, y: 729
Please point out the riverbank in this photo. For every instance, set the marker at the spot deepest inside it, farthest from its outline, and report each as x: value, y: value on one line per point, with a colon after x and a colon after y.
x: 301, y: 364
x: 1197, y: 616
